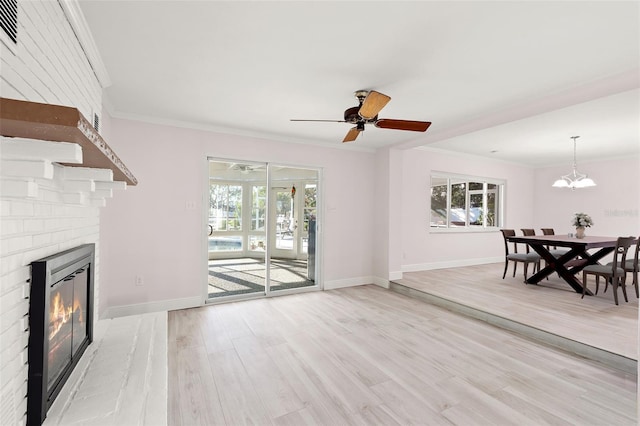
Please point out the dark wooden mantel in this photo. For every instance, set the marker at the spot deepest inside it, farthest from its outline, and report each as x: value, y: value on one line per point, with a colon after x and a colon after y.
x: 57, y: 123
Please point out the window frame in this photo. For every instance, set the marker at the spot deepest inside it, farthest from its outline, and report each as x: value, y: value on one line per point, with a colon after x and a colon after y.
x: 453, y: 179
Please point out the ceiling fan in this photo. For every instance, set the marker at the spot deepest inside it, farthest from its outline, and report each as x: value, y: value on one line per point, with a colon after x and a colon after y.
x: 371, y: 102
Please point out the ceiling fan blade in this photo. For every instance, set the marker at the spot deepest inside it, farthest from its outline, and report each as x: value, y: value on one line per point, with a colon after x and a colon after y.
x: 352, y: 134
x: 326, y: 121
x: 414, y: 126
x: 372, y: 104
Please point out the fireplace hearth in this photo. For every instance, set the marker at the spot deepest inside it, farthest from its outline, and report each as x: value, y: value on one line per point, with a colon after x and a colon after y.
x: 60, y: 324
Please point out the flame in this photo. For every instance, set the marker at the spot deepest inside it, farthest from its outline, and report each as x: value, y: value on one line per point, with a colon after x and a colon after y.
x: 77, y: 309
x: 58, y: 315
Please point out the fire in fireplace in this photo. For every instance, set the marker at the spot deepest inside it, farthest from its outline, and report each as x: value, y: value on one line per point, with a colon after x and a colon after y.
x: 60, y: 324
x: 67, y: 314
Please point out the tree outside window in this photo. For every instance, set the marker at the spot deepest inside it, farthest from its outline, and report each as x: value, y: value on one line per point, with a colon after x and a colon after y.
x: 225, y: 207
x: 464, y: 202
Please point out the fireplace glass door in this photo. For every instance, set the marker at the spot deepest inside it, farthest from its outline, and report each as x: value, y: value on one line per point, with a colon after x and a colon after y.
x: 67, y: 322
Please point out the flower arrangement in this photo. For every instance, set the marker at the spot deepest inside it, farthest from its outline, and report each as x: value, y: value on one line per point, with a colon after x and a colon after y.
x: 582, y: 220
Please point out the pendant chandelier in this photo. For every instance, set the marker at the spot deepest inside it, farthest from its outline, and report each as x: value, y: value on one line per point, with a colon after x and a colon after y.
x: 574, y: 179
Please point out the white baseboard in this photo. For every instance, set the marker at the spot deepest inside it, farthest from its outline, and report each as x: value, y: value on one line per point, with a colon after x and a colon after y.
x: 450, y: 264
x: 349, y: 282
x: 381, y: 282
x: 159, y: 306
x: 395, y: 275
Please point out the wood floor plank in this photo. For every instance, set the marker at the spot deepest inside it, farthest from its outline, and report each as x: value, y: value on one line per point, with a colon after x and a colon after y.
x: 241, y: 405
x: 308, y: 385
x: 229, y: 315
x: 214, y: 332
x: 199, y: 400
x: 367, y: 356
x: 186, y: 328
x: 405, y: 407
x: 343, y: 384
x: 539, y: 416
x: 375, y: 415
x: 268, y: 381
x: 551, y: 306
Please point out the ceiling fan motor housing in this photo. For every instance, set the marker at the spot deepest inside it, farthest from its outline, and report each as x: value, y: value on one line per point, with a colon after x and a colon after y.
x: 351, y: 116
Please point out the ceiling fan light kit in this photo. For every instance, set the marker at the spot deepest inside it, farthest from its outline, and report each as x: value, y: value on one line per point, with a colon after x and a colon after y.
x: 370, y: 104
x: 574, y: 179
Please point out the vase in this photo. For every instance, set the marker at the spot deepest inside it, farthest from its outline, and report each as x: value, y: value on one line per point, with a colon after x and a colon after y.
x: 580, y: 232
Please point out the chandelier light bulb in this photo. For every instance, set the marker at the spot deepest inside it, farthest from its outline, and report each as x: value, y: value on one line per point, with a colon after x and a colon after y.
x: 574, y: 179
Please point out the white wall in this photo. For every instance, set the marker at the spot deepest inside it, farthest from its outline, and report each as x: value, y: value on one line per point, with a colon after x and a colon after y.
x: 422, y: 249
x: 613, y: 204
x: 148, y: 231
x: 381, y: 214
x: 531, y: 202
x: 48, y: 65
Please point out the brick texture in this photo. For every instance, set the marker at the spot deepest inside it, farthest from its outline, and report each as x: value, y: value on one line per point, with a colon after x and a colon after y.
x: 49, y: 66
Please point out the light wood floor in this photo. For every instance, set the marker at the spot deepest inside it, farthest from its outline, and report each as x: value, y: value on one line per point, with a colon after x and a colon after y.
x: 367, y: 356
x: 551, y: 306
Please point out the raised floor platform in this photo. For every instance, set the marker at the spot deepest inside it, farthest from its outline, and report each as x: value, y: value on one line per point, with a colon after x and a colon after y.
x: 593, y: 327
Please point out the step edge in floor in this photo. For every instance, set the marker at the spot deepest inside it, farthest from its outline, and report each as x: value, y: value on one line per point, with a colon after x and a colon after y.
x: 610, y: 359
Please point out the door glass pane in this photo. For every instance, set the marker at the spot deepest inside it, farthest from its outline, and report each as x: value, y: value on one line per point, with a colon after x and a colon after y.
x: 258, y: 207
x: 294, y: 194
x: 257, y: 235
x: 236, y: 252
x: 225, y: 207
x: 310, y: 194
x: 284, y: 219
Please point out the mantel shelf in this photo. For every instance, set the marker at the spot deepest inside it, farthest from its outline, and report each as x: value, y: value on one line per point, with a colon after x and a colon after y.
x: 61, y: 124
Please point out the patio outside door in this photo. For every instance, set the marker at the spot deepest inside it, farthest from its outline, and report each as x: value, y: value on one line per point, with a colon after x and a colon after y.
x: 261, y: 229
x: 284, y: 223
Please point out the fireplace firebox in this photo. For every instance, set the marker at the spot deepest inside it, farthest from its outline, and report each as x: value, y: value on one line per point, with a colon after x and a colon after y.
x: 60, y: 324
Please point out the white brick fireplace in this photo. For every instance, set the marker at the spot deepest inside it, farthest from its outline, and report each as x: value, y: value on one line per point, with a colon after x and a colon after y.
x: 47, y: 205
x: 45, y: 208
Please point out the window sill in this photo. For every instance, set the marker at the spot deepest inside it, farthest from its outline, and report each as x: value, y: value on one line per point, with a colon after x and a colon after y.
x: 463, y: 230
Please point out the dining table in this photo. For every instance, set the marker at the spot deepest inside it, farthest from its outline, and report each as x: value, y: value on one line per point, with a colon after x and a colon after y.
x: 570, y: 263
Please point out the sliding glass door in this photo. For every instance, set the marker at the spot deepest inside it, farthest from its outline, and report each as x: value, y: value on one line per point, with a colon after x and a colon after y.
x: 261, y: 224
x: 236, y: 226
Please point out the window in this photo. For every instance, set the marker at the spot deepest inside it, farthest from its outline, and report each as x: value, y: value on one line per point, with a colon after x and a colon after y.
x: 465, y: 202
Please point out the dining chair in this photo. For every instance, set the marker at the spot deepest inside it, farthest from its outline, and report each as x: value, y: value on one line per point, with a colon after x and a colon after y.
x: 613, y: 272
x: 631, y: 265
x: 555, y: 251
x: 515, y: 257
x: 528, y: 232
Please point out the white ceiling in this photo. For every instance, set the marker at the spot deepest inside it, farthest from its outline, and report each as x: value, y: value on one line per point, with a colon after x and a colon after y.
x: 517, y: 78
